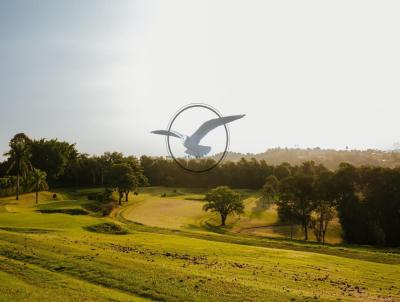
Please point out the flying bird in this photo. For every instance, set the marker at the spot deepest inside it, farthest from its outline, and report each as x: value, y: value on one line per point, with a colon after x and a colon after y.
x: 191, y: 143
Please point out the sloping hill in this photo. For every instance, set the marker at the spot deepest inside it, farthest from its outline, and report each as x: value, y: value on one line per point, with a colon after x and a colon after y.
x: 330, y: 158
x: 54, y: 255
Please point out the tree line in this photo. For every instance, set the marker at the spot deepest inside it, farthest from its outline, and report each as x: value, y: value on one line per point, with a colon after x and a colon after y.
x: 33, y: 165
x: 365, y: 199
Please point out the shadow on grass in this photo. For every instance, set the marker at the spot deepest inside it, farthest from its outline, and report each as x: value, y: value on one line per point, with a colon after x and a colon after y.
x: 64, y: 211
x: 107, y: 228
x: 26, y: 230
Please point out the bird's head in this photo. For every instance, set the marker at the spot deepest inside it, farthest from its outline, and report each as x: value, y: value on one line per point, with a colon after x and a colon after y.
x: 185, y: 139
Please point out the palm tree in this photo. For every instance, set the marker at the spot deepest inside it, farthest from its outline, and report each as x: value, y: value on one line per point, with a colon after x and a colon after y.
x: 19, y: 155
x: 38, y: 181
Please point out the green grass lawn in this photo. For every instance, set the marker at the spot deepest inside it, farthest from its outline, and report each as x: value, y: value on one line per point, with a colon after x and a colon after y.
x: 54, y: 257
x: 181, y: 209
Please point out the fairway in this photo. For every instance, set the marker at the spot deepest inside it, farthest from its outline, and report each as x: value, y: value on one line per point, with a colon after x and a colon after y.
x: 165, y: 212
x: 53, y: 254
x: 183, y: 210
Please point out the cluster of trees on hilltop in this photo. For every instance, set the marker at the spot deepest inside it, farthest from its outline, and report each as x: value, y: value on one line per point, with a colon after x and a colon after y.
x: 366, y: 200
x: 328, y: 157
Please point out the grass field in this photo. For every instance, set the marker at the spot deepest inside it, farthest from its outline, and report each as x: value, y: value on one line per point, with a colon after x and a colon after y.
x: 182, y: 209
x: 173, y: 252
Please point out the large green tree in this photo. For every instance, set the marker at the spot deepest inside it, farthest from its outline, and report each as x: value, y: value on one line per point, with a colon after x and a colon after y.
x: 137, y: 169
x: 122, y: 178
x: 54, y: 157
x: 324, y: 204
x: 368, y: 204
x: 296, y: 200
x: 352, y: 213
x: 224, y: 201
x: 270, y: 190
x: 19, y: 157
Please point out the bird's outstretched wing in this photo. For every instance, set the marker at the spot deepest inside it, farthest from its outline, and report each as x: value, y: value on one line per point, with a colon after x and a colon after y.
x: 166, y: 132
x: 212, y: 124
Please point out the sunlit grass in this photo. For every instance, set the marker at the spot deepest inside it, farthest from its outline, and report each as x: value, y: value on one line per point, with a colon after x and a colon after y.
x: 53, y: 255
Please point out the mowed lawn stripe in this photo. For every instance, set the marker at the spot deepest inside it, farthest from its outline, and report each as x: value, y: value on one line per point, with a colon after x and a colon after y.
x: 28, y: 282
x: 174, y: 268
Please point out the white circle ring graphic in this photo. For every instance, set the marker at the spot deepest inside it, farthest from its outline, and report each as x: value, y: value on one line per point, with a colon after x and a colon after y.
x: 224, y: 153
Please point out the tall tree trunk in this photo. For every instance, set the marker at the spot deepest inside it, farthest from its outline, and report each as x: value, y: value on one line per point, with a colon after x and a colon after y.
x: 318, y: 226
x: 291, y: 229
x: 305, y: 231
x: 324, y: 229
x: 223, y: 219
x: 321, y: 225
x: 37, y: 193
x: 17, y: 197
x: 120, y: 197
x: 126, y: 196
x: 291, y: 225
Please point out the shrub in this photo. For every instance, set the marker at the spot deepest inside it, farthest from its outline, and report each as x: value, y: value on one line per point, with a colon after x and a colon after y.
x: 102, y: 196
x: 107, y: 228
x: 64, y: 211
x: 101, y: 208
x: 108, y: 208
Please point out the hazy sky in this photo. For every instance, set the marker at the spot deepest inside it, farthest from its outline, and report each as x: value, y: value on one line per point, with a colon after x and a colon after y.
x: 104, y: 74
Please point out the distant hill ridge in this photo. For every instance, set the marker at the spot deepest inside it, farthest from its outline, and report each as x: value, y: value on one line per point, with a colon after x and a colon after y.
x: 330, y: 158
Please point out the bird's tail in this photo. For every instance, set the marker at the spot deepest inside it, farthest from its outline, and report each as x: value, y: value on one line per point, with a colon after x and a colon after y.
x: 198, y: 151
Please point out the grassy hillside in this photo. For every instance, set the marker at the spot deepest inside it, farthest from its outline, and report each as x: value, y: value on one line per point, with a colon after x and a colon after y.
x: 62, y: 257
